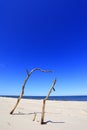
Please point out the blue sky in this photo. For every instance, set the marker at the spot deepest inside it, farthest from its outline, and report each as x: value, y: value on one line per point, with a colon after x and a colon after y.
x: 48, y: 34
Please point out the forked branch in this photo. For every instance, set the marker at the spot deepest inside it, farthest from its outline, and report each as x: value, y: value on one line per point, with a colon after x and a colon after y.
x: 23, y: 87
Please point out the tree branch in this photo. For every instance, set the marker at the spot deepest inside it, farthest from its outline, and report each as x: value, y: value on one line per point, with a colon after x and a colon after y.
x: 23, y: 87
x: 44, y: 102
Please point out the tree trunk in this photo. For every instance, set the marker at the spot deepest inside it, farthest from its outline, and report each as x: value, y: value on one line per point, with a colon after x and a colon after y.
x: 44, y: 102
x: 43, y: 112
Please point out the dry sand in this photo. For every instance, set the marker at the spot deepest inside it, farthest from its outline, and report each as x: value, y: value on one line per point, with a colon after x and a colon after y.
x: 59, y: 115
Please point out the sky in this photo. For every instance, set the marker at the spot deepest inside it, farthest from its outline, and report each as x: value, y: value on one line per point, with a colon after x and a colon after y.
x: 46, y: 34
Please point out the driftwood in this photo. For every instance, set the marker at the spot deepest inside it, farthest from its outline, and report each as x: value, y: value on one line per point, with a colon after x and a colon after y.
x: 34, y: 116
x: 28, y: 75
x: 44, y: 102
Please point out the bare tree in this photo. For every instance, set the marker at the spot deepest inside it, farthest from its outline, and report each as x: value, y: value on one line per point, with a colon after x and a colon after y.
x: 23, y: 87
x: 44, y: 101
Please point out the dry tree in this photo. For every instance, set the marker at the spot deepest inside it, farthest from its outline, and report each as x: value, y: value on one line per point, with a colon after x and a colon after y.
x: 44, y: 102
x: 23, y: 86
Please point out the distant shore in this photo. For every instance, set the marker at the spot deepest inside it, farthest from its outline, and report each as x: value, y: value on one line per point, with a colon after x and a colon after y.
x: 56, y: 98
x: 60, y: 115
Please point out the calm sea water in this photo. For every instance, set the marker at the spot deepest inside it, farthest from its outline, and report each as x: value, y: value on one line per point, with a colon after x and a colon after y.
x: 58, y: 98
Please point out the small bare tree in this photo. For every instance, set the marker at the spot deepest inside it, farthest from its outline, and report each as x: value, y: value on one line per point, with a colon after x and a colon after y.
x: 44, y: 102
x: 23, y: 87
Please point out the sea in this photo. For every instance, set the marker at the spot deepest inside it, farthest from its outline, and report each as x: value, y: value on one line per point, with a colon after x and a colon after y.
x: 57, y: 98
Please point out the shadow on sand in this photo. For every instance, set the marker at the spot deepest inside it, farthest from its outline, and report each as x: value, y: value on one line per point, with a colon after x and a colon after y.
x: 46, y: 122
x: 21, y: 113
x: 52, y: 122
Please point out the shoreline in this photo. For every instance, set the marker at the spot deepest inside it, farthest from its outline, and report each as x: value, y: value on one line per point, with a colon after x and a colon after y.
x: 60, y: 115
x: 53, y: 98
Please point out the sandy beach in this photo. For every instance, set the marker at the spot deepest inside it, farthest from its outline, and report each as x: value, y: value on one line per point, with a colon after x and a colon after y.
x: 59, y: 115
